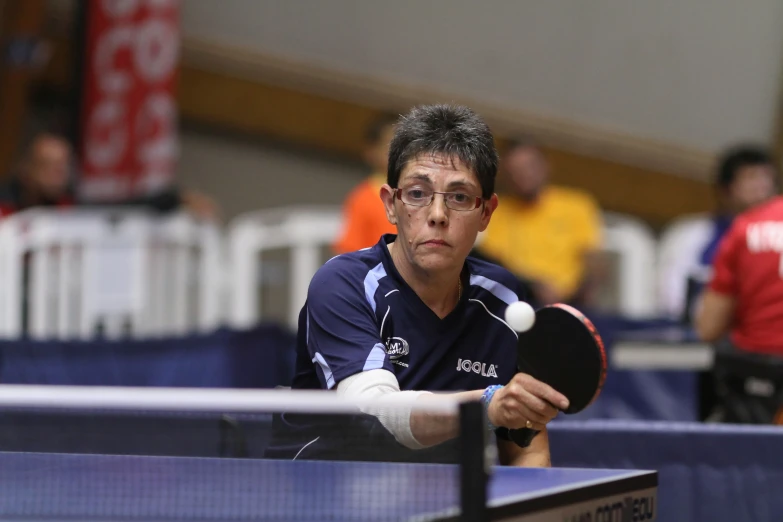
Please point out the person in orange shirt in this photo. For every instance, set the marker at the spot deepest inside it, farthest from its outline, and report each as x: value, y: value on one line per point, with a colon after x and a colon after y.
x: 547, y: 235
x: 364, y: 216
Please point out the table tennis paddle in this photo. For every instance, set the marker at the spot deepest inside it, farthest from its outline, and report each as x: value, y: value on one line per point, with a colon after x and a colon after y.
x: 564, y: 350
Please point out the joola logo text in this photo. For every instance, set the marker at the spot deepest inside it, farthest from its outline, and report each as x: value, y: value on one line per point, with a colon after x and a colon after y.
x: 483, y: 369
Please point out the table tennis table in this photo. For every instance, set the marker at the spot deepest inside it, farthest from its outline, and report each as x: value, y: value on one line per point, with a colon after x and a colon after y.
x: 55, y: 486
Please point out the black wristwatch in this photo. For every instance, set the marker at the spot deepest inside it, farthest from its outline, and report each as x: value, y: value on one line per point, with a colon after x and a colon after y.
x: 523, y: 436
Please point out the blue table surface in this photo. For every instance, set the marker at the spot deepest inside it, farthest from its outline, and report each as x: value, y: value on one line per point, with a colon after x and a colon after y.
x: 104, y: 487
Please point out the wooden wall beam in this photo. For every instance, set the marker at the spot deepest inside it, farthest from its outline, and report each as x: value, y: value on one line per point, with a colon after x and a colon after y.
x: 335, y: 124
x: 777, y: 143
x: 22, y: 19
x: 337, y: 127
x: 279, y: 113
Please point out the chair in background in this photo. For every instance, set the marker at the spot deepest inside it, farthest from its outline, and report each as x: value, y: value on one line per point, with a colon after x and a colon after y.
x: 75, y: 274
x: 305, y: 233
x: 632, y: 244
x: 679, y: 249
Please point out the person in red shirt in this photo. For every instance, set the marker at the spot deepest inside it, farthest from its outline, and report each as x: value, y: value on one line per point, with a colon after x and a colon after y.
x: 744, y: 299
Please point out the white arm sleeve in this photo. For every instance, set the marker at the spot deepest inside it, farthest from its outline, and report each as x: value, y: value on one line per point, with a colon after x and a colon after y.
x: 377, y: 384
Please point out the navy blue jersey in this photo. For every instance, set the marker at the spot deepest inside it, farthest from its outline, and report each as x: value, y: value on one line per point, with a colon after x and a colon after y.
x: 360, y: 315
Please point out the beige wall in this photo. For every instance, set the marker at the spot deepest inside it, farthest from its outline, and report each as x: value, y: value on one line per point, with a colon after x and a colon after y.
x: 697, y: 73
x: 245, y: 174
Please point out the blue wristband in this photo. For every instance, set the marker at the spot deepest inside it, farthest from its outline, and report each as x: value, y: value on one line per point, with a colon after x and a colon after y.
x: 486, y: 398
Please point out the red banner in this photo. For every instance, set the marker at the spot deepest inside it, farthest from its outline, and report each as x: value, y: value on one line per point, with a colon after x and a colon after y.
x: 129, y: 141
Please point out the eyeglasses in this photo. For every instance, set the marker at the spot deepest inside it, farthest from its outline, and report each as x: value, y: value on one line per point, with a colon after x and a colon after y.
x: 421, y: 197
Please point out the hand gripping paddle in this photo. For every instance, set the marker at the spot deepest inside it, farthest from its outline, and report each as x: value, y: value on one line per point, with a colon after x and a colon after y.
x: 564, y: 350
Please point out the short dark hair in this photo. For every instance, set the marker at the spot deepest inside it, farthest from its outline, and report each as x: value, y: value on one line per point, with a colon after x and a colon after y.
x: 738, y: 157
x: 450, y: 130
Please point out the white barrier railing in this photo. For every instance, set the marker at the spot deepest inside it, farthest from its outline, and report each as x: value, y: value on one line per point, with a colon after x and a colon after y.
x: 678, y: 255
x: 69, y: 274
x: 305, y: 231
x: 65, y: 273
x: 635, y: 246
x: 186, y: 260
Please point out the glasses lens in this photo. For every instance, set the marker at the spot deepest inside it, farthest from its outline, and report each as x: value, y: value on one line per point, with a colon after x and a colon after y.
x: 416, y: 197
x: 460, y: 201
x: 419, y: 197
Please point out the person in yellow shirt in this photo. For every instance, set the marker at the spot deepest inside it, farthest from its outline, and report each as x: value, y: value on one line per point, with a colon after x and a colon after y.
x: 545, y: 234
x: 364, y: 216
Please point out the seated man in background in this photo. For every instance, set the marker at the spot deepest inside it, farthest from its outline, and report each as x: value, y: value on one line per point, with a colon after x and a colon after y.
x: 545, y: 234
x: 742, y: 311
x: 364, y: 217
x: 44, y: 179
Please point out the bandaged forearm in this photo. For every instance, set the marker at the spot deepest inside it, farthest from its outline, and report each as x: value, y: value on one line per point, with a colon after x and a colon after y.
x: 380, y: 385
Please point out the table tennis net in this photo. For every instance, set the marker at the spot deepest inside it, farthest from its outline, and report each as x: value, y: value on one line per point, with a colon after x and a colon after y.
x: 152, y: 454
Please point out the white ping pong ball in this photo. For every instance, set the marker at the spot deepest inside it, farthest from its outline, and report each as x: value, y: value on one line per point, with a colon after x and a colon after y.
x: 520, y: 316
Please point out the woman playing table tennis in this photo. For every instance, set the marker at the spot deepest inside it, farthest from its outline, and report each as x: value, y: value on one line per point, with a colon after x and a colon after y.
x: 415, y: 314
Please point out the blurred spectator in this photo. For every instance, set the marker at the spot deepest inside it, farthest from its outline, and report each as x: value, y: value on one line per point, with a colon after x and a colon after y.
x: 44, y: 179
x: 545, y: 234
x: 741, y: 314
x: 364, y: 217
x: 744, y: 298
x: 745, y: 177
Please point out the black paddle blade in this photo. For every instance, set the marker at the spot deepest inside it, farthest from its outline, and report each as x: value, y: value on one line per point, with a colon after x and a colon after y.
x: 564, y: 350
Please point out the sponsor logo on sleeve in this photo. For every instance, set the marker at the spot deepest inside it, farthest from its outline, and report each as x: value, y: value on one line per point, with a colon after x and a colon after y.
x: 397, y: 348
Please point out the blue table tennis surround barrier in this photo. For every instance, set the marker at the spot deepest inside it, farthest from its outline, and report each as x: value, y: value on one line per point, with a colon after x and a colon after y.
x: 706, y: 471
x: 642, y: 394
x: 671, y: 396
x: 261, y: 357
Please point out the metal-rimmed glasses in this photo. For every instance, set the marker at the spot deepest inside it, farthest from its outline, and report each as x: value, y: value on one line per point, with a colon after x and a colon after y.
x: 422, y: 197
